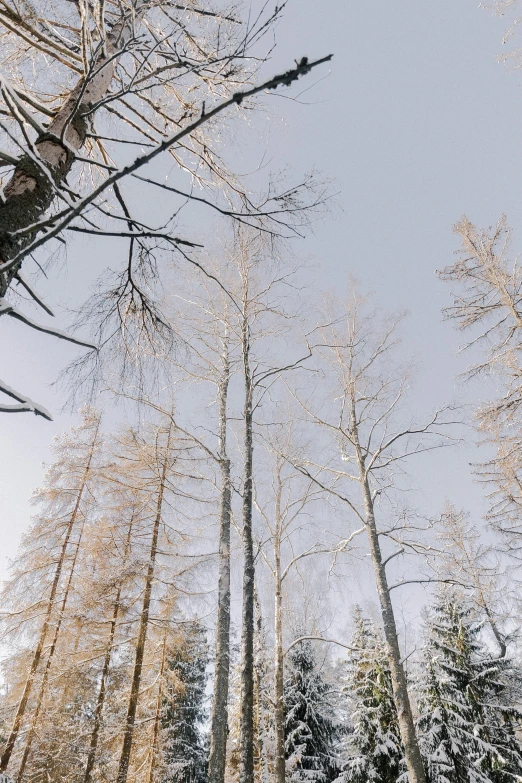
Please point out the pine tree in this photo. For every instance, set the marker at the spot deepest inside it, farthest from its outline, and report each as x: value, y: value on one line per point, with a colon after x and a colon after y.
x: 185, y: 745
x: 373, y: 744
x: 468, y: 720
x: 310, y: 726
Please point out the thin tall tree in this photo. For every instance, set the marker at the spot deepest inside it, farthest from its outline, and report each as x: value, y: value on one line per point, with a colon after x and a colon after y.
x: 361, y: 413
x: 65, y: 490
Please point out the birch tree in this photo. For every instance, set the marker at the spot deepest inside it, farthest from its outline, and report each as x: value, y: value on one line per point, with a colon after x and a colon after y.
x: 284, y: 506
x: 262, y: 318
x: 153, y: 77
x: 361, y: 414
x: 202, y: 312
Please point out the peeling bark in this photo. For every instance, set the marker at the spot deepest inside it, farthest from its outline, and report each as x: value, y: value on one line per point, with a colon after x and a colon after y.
x: 32, y: 188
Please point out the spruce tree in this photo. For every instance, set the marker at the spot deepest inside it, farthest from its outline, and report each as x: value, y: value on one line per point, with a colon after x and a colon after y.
x: 373, y: 744
x: 185, y: 711
x: 310, y: 726
x: 468, y: 719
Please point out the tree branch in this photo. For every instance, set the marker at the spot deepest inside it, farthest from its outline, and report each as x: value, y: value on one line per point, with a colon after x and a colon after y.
x: 26, y: 405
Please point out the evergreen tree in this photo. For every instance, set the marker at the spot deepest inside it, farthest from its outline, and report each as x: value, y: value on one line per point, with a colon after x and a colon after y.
x: 310, y: 726
x: 468, y: 720
x: 374, y: 746
x: 185, y: 744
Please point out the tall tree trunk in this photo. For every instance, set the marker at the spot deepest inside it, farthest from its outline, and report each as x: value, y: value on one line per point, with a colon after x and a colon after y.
x: 8, y: 750
x: 100, y: 701
x: 155, y: 732
x: 128, y: 733
x: 246, y: 774
x: 260, y: 725
x: 219, y: 726
x: 414, y: 763
x: 31, y: 190
x: 52, y: 650
x: 279, y: 711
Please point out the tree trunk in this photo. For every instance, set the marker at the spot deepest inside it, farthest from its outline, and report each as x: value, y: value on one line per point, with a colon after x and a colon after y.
x: 128, y: 733
x: 155, y: 733
x: 102, y: 691
x: 30, y: 192
x: 414, y: 763
x: 43, y: 685
x: 246, y: 774
x: 6, y: 755
x: 91, y: 758
x: 400, y: 687
x: 260, y: 725
x: 219, y: 726
x: 279, y: 711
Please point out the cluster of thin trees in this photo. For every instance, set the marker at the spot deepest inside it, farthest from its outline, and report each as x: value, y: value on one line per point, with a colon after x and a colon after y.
x: 278, y: 448
x: 276, y: 431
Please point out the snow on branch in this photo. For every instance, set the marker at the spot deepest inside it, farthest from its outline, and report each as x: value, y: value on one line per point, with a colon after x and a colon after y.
x: 321, y: 639
x: 26, y: 405
x: 7, y: 309
x: 57, y: 223
x: 32, y: 293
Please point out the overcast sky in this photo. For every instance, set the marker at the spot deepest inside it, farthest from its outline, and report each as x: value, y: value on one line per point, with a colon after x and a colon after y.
x: 416, y: 123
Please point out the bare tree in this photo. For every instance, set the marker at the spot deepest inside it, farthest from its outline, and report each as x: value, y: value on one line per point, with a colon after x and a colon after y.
x: 469, y: 560
x: 50, y: 656
x: 115, y: 604
x: 262, y: 319
x: 360, y: 412
x: 121, y: 508
x: 152, y: 75
x: 159, y: 465
x: 157, y: 716
x: 284, y: 509
x: 66, y: 488
x: 203, y: 323
x: 487, y: 305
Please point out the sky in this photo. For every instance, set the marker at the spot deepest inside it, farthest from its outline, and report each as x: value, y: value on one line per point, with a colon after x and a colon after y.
x: 415, y: 123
